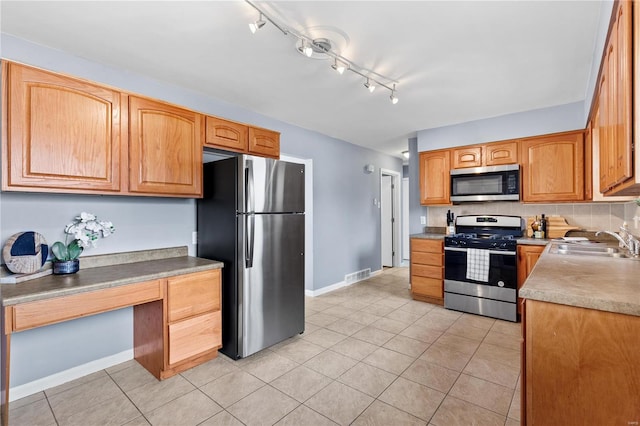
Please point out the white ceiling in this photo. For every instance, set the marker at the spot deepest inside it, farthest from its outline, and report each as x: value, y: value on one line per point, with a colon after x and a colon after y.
x: 455, y: 61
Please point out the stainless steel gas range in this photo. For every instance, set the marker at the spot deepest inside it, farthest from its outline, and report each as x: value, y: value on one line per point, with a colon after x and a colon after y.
x: 480, y: 266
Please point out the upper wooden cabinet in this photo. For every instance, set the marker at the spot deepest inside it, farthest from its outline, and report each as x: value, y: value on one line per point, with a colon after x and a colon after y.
x: 466, y: 156
x: 492, y: 154
x: 434, y: 177
x: 228, y: 135
x: 264, y: 142
x: 616, y: 95
x: 59, y: 134
x: 501, y: 153
x: 552, y: 167
x: 165, y: 149
x: 225, y: 134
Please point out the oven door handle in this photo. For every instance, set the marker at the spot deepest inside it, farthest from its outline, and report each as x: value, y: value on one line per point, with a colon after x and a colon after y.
x: 507, y: 253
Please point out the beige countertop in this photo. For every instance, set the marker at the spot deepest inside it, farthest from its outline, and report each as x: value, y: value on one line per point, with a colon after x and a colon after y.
x: 105, y: 271
x: 526, y: 241
x: 602, y: 283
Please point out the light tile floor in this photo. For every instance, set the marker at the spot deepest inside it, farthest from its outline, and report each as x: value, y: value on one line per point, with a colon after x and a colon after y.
x: 369, y: 356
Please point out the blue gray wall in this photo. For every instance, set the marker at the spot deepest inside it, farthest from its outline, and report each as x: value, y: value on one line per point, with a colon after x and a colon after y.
x: 346, y: 223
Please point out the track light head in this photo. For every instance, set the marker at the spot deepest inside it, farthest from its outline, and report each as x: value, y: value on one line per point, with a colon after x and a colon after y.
x: 305, y: 49
x: 370, y: 86
x: 393, y: 97
x: 339, y: 67
x: 255, y: 26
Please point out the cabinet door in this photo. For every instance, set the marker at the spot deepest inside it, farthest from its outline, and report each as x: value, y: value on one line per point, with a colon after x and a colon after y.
x: 434, y: 177
x: 624, y: 120
x: 501, y: 153
x: 264, y: 142
x: 553, y: 167
x: 582, y: 366
x: 165, y: 149
x: 527, y: 258
x: 469, y: 156
x: 226, y: 135
x: 60, y: 133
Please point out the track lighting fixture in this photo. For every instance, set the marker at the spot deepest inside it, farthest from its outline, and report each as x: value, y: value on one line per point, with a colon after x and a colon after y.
x: 338, y: 66
x: 370, y: 86
x: 323, y: 49
x: 255, y: 26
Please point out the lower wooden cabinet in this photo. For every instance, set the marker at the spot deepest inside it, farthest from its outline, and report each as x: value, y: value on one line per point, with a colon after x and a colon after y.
x: 580, y: 366
x: 427, y: 270
x: 527, y: 256
x: 182, y: 330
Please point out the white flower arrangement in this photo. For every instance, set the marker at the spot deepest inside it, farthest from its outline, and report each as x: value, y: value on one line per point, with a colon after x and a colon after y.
x: 86, y: 229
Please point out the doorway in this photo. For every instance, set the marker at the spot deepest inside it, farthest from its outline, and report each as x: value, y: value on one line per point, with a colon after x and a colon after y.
x: 389, y: 218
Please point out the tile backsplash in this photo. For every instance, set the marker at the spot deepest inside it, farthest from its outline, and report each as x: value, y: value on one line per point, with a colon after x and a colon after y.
x: 587, y: 216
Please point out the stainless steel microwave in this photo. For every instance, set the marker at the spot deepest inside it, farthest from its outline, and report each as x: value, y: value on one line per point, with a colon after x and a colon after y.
x: 493, y: 183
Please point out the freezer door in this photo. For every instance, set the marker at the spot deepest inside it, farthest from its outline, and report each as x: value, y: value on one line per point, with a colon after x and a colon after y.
x: 272, y: 280
x: 270, y: 186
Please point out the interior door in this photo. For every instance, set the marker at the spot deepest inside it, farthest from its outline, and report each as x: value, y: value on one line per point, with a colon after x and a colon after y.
x: 386, y: 215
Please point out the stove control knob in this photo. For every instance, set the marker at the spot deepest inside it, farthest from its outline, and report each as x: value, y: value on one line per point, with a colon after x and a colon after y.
x: 503, y: 245
x: 494, y: 245
x: 500, y: 283
x: 463, y: 243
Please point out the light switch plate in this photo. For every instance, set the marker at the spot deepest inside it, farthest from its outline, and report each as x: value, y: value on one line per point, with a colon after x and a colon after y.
x: 194, y: 237
x: 423, y: 220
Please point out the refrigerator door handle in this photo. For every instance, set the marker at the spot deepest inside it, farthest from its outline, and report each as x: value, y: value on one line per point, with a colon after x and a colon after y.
x: 250, y: 239
x: 249, y: 194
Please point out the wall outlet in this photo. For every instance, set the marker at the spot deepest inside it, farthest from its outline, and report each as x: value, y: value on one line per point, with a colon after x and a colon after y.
x: 423, y: 220
x: 194, y: 237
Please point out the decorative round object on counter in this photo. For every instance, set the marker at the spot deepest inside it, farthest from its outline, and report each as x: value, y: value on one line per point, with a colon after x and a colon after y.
x: 25, y: 252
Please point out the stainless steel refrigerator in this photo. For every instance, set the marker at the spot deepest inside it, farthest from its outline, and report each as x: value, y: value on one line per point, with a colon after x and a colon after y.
x: 251, y: 217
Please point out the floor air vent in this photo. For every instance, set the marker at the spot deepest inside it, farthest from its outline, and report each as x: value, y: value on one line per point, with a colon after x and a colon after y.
x: 357, y: 276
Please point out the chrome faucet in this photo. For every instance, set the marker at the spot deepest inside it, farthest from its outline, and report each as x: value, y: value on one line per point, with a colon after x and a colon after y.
x: 631, y: 243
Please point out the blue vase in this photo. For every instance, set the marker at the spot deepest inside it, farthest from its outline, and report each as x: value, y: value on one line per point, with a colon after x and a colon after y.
x: 66, y: 266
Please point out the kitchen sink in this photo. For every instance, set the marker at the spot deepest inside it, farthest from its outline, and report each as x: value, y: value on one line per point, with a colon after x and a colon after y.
x: 594, y: 249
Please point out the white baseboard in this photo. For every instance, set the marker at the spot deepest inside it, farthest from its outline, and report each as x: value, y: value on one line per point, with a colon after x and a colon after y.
x: 336, y: 286
x: 65, y: 376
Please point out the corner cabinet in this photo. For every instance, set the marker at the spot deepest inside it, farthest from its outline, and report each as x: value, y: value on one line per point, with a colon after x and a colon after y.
x: 59, y: 134
x: 427, y: 270
x: 552, y: 167
x: 165, y: 149
x: 434, y: 177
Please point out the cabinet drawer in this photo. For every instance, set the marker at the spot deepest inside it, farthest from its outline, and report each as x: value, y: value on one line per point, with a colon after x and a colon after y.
x: 50, y: 311
x: 427, y: 286
x: 426, y: 271
x: 193, y: 294
x: 432, y: 246
x: 434, y: 259
x: 194, y: 336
